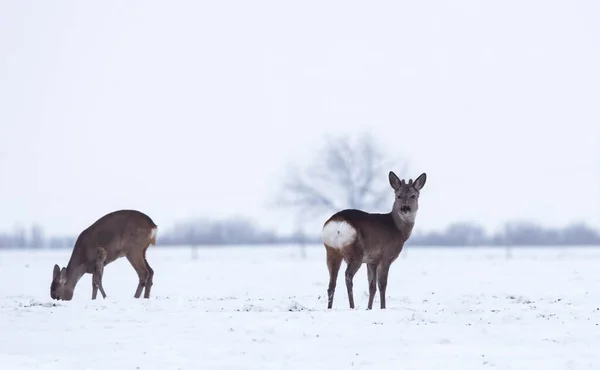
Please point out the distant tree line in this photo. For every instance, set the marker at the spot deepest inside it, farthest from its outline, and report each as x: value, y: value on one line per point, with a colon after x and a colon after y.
x: 344, y: 173
x: 512, y: 234
x: 239, y: 231
x: 33, y: 238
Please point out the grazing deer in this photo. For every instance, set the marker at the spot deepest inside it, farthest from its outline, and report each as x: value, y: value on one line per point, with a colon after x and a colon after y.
x: 376, y: 239
x: 121, y: 233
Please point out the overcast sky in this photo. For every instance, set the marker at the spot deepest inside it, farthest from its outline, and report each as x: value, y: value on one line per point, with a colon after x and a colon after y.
x: 193, y: 108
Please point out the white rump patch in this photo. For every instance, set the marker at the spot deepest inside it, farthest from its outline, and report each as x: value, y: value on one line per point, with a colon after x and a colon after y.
x: 338, y: 234
x: 153, y: 233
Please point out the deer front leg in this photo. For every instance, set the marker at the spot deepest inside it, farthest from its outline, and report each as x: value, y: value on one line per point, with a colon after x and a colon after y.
x: 98, y: 271
x: 372, y: 276
x: 383, y: 270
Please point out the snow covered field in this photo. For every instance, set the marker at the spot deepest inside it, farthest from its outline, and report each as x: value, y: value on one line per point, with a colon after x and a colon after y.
x: 264, y: 308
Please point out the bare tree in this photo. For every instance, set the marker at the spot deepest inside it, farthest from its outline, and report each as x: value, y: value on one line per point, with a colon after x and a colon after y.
x: 345, y: 173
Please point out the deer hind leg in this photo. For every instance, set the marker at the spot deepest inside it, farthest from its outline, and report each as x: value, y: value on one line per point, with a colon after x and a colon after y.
x: 372, y: 276
x: 98, y: 272
x: 138, y: 262
x: 149, y: 280
x: 353, y: 264
x: 334, y: 262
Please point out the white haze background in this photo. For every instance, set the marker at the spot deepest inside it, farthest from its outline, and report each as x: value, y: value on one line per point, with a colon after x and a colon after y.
x: 193, y: 108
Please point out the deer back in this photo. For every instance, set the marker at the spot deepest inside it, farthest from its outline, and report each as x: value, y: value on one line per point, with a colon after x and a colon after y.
x: 374, y: 236
x: 118, y: 233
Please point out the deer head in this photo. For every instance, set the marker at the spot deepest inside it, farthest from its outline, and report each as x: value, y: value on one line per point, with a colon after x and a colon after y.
x: 406, y: 203
x: 58, y: 288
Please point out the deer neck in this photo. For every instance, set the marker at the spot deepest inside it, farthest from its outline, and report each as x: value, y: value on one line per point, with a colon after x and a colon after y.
x: 76, y: 268
x: 403, y: 224
x: 74, y: 273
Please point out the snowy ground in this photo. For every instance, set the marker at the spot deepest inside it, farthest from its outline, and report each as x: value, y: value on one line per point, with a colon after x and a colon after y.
x: 264, y: 308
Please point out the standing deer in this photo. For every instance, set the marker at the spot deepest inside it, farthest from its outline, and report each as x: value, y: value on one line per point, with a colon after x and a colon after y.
x: 376, y: 239
x: 121, y: 233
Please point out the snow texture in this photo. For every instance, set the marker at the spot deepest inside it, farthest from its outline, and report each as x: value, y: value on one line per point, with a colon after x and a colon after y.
x: 265, y: 308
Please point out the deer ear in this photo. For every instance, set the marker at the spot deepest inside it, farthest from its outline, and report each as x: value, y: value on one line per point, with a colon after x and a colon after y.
x: 394, y: 180
x: 55, y: 272
x: 420, y: 181
x: 63, y: 275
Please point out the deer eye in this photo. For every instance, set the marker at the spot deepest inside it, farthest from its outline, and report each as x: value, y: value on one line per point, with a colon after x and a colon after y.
x: 413, y: 196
